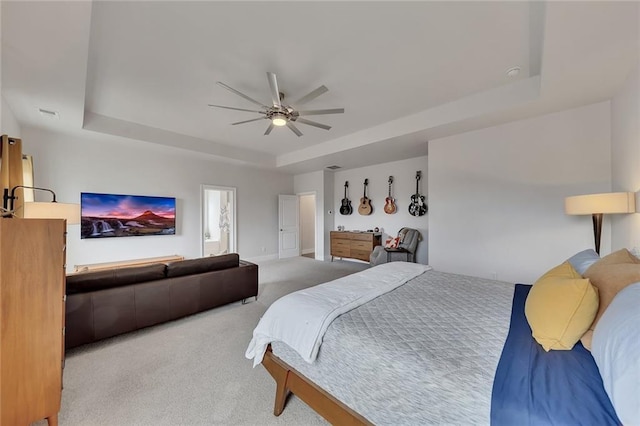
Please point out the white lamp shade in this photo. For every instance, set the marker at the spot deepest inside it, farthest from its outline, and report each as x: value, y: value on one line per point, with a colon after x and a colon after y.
x: 68, y: 211
x: 610, y: 203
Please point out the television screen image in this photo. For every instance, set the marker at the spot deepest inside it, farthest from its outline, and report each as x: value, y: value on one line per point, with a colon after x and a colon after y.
x: 114, y: 215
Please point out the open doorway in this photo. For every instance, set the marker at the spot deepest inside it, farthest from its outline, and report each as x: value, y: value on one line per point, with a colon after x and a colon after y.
x: 308, y: 224
x: 218, y: 220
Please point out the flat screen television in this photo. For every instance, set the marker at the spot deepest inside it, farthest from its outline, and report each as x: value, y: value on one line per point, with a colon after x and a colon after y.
x: 115, y: 215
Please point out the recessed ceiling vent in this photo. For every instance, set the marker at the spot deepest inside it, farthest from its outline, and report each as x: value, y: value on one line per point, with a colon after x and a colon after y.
x: 48, y: 113
x: 333, y: 167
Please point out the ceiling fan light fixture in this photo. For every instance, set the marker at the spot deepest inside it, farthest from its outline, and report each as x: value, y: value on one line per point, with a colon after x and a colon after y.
x: 279, y: 120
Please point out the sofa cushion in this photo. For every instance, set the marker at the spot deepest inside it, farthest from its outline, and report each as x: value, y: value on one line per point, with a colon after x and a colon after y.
x: 201, y: 265
x: 100, y: 280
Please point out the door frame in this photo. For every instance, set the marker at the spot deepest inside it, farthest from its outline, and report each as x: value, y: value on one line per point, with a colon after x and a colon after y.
x: 233, y: 234
x: 315, y: 221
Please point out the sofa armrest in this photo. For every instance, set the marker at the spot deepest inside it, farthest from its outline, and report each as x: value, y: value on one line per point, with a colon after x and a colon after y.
x: 228, y: 285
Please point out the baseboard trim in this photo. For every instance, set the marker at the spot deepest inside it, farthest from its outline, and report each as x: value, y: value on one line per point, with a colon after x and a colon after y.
x: 307, y: 251
x: 262, y: 258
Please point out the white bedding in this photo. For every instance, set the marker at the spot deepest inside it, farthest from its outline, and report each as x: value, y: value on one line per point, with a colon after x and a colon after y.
x: 300, y: 319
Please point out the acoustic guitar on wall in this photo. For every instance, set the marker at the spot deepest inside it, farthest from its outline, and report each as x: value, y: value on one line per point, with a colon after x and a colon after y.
x: 365, y: 208
x: 346, y: 208
x: 389, y: 202
x: 418, y: 206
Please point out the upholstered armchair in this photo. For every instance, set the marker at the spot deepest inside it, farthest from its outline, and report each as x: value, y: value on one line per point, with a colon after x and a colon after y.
x: 406, y: 251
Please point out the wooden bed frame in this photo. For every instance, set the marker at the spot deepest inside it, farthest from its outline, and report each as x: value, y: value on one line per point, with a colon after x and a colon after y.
x: 288, y: 380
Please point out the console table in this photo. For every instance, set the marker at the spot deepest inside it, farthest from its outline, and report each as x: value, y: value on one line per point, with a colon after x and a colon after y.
x: 354, y: 245
x: 133, y: 262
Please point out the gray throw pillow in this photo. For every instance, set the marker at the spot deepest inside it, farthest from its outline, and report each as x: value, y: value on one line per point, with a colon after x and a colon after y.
x: 581, y: 261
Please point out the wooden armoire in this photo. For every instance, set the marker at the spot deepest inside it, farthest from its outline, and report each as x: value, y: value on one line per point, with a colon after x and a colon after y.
x: 32, y: 281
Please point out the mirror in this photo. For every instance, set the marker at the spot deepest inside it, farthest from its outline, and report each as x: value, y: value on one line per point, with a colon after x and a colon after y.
x: 218, y: 220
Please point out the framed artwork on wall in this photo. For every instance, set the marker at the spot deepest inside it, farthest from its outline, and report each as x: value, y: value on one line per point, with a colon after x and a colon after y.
x: 116, y: 215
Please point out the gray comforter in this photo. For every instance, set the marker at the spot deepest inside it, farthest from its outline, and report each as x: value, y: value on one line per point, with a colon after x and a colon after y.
x: 422, y: 354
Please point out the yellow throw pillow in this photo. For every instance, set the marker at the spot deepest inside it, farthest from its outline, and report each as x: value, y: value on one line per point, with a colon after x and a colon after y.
x: 560, y: 307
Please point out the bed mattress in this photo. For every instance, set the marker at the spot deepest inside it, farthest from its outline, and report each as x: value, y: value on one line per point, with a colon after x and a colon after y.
x: 425, y: 353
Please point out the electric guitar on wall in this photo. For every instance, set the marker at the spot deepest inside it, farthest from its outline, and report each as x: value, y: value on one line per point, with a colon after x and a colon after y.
x: 417, y: 207
x: 345, y: 208
x: 365, y: 204
x: 389, y: 203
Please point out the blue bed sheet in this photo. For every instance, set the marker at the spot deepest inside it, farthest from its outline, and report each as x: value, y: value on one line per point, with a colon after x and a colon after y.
x: 533, y: 387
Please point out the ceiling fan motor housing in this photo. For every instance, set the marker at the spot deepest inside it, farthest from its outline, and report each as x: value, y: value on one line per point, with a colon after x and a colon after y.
x: 285, y: 111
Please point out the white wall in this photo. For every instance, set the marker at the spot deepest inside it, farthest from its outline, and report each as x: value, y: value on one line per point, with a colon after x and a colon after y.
x: 497, y: 195
x: 625, y: 158
x: 308, y: 223
x: 404, y: 185
x: 91, y: 162
x: 8, y: 123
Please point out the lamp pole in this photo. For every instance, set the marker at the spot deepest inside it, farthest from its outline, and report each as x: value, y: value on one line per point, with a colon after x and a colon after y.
x: 597, y: 229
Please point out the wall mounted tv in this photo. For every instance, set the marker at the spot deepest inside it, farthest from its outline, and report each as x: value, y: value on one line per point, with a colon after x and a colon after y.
x: 114, y: 215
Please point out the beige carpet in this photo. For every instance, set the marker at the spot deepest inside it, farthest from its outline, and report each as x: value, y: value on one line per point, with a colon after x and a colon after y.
x: 191, y: 371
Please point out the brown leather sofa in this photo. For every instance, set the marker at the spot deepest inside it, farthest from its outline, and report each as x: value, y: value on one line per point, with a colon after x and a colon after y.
x: 103, y: 304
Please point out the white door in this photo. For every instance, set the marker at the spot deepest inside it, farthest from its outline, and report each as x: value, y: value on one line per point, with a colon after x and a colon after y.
x: 289, y: 218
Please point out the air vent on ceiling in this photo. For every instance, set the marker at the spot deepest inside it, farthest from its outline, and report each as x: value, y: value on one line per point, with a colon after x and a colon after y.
x: 48, y: 113
x: 333, y: 167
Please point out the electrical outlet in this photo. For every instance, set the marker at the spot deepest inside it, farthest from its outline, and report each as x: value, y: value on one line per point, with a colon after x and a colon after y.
x: 263, y: 249
x: 494, y: 275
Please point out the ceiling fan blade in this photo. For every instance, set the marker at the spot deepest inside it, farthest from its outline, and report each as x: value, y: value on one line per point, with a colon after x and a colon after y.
x: 322, y: 111
x: 248, y: 121
x: 312, y: 123
x: 311, y: 95
x: 269, y: 129
x: 237, y: 109
x: 294, y: 129
x: 275, y: 91
x: 231, y: 89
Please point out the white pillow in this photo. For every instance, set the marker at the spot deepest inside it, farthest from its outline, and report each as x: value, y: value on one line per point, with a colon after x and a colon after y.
x: 582, y: 260
x: 616, y: 350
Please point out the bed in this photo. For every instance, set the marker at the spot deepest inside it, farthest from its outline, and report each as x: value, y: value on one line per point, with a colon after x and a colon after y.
x: 423, y: 351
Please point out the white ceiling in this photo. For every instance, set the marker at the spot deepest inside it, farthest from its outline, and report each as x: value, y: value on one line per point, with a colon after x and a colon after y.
x: 405, y: 72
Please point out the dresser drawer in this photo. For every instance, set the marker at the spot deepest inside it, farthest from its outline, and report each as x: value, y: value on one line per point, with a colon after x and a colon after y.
x: 361, y: 245
x: 361, y: 237
x: 340, y: 243
x: 361, y: 254
x: 340, y: 251
x: 339, y: 235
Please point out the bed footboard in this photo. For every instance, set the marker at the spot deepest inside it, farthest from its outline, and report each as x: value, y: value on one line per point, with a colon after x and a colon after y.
x: 288, y: 380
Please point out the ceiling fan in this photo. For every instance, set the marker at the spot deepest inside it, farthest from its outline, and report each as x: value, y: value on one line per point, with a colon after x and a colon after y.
x: 281, y: 114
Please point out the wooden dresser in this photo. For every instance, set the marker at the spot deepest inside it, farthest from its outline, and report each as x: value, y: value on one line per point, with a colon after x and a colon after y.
x: 354, y: 245
x: 32, y: 280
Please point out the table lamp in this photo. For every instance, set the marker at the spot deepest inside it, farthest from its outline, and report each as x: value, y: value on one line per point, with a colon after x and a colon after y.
x: 38, y: 210
x: 597, y: 205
